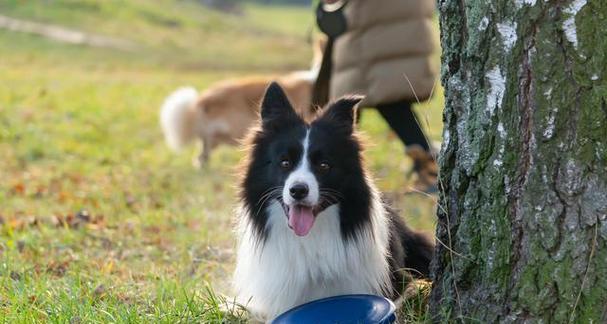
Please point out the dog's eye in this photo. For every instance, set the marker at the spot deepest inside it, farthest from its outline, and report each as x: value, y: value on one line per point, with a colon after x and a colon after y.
x: 285, y: 164
x: 324, y: 166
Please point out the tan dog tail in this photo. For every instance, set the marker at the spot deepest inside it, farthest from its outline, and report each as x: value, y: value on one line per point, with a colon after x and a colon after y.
x: 177, y: 117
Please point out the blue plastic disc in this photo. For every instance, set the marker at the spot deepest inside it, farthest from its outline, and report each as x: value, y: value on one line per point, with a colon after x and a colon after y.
x: 359, y: 309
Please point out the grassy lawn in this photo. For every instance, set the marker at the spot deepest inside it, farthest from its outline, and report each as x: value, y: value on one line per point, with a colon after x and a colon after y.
x: 99, y: 222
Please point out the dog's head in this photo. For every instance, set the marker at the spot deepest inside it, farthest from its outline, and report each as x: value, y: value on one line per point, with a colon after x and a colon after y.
x: 306, y: 167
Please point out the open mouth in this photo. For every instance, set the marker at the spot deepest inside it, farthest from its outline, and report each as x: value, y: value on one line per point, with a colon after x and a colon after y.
x: 301, y: 217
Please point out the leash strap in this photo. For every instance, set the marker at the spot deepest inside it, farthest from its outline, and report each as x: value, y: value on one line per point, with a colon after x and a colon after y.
x: 320, y: 91
x: 332, y: 23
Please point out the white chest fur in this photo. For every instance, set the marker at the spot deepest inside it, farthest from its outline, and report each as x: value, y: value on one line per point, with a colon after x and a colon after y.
x: 288, y: 270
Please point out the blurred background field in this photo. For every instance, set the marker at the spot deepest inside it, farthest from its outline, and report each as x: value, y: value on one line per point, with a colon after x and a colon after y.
x: 99, y: 221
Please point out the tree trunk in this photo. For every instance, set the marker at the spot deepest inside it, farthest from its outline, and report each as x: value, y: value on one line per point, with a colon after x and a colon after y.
x: 523, y: 210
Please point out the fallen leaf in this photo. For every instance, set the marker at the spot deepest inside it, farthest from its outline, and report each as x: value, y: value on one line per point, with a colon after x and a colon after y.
x: 152, y: 229
x: 20, y: 246
x: 15, y: 275
x: 58, y: 268
x: 129, y: 200
x: 18, y: 188
x: 100, y: 291
x: 107, y: 267
x: 83, y: 215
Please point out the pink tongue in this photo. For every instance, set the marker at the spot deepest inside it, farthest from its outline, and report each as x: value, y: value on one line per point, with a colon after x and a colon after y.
x: 301, y: 220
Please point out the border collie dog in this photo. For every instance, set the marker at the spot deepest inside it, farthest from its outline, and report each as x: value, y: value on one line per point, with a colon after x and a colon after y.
x: 311, y: 223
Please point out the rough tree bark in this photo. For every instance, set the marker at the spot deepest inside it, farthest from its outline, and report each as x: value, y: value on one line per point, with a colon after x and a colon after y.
x: 523, y: 211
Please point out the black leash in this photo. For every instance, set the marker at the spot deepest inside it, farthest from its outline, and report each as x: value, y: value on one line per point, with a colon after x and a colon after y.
x: 332, y: 23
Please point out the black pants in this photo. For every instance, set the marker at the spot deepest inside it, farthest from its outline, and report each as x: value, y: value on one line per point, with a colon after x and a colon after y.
x: 402, y: 120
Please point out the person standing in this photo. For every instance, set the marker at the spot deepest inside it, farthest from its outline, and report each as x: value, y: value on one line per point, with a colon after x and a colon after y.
x: 383, y: 49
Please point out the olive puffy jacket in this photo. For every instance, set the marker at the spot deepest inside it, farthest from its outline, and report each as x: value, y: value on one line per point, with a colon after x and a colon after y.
x: 386, y: 40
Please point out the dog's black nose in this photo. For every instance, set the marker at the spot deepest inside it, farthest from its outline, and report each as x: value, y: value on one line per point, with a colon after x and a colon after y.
x: 299, y: 191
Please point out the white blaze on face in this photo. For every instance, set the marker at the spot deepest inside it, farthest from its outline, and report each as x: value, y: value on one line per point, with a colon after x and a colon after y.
x: 302, y: 174
x: 300, y: 213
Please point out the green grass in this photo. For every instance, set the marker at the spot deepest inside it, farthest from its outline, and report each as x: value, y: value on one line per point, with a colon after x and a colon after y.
x: 176, y: 34
x: 79, y: 132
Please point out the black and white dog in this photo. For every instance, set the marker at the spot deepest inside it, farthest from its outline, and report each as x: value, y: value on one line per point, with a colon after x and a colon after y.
x: 312, y: 224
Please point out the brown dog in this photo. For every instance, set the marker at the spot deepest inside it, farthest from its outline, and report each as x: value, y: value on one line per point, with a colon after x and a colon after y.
x: 223, y: 113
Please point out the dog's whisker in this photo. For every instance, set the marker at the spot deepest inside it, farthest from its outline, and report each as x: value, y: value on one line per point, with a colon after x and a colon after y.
x: 270, y: 190
x: 265, y: 197
x: 331, y: 191
x: 272, y: 193
x: 328, y: 195
x: 262, y: 201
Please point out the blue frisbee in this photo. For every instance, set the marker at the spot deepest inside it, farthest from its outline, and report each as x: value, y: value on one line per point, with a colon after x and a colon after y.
x: 359, y: 309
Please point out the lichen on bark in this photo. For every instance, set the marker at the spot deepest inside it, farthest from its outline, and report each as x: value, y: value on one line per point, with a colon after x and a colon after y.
x: 523, y: 216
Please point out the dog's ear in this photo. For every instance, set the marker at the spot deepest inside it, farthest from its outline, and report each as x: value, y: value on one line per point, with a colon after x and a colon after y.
x: 343, y: 112
x: 275, y: 105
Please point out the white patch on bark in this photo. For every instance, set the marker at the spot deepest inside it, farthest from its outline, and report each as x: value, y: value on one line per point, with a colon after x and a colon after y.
x: 550, y: 124
x: 483, y: 24
x: 532, y: 147
x: 498, y: 160
x: 549, y: 131
x: 572, y: 179
x: 500, y: 130
x: 532, y: 52
x: 497, y: 87
x: 507, y: 187
x: 548, y: 93
x: 492, y: 252
x: 507, y: 31
x: 569, y: 23
x: 466, y: 155
x: 446, y: 141
x: 545, y: 175
x: 520, y: 3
